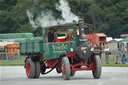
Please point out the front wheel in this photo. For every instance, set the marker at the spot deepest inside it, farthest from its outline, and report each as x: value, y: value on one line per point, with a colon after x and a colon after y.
x: 97, y: 68
x: 65, y: 68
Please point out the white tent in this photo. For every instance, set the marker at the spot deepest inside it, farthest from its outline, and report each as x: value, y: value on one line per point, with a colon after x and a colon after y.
x: 109, y: 39
x: 2, y: 44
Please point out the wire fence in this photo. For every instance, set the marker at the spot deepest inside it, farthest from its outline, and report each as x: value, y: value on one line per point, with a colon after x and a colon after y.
x: 6, y: 58
x: 111, y: 60
x: 16, y: 58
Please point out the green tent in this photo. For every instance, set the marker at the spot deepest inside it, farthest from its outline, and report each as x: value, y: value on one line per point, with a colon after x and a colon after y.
x: 124, y: 40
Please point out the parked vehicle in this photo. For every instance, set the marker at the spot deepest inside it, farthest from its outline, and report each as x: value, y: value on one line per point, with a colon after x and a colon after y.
x: 15, y: 37
x: 70, y: 52
x: 96, y: 39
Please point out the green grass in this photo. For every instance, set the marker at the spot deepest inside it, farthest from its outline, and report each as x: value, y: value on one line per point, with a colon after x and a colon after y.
x: 21, y: 62
x: 115, y: 65
x: 12, y: 64
x: 15, y: 62
x: 104, y: 65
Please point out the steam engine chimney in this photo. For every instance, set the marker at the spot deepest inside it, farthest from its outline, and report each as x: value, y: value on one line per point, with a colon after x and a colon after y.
x: 81, y: 28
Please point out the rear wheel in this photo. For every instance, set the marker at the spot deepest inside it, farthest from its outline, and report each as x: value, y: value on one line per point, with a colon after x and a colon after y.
x: 65, y: 68
x: 32, y: 68
x: 37, y: 73
x: 97, y: 69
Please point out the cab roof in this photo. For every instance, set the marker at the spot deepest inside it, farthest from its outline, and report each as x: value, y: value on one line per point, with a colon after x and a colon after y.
x: 62, y: 25
x: 66, y: 25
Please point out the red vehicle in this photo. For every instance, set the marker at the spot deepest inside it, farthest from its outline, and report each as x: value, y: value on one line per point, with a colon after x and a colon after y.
x: 124, y: 35
x: 98, y: 38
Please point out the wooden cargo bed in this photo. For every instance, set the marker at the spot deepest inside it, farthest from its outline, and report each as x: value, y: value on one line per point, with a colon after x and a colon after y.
x: 31, y: 47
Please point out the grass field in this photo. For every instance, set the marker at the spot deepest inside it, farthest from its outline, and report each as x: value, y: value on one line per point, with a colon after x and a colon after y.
x: 20, y: 62
x: 14, y: 62
x: 104, y: 65
x: 115, y: 65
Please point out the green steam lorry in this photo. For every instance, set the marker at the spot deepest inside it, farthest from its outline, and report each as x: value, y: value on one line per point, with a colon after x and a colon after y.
x: 70, y: 52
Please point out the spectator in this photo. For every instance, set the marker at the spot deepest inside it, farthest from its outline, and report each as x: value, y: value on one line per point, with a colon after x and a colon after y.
x: 103, y: 54
x: 107, y: 53
x: 118, y: 57
x: 124, y: 59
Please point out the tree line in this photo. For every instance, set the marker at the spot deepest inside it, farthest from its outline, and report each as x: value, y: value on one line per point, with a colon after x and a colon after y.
x: 106, y: 16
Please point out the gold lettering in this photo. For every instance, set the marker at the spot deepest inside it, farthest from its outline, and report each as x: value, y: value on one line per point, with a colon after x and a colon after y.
x: 62, y: 47
x: 53, y: 47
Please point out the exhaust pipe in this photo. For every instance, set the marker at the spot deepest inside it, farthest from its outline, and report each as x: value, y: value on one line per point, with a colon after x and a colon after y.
x: 81, y: 28
x: 81, y: 31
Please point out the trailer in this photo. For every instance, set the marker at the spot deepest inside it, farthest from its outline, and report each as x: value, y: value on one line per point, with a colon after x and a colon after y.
x: 70, y: 52
x: 97, y: 38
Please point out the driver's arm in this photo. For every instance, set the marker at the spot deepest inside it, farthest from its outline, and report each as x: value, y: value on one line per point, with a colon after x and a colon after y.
x: 47, y: 39
x: 55, y: 37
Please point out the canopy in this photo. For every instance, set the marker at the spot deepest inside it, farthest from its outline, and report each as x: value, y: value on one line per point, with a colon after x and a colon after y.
x: 124, y: 40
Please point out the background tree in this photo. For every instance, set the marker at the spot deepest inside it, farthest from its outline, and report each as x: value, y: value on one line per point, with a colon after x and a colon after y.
x: 107, y: 16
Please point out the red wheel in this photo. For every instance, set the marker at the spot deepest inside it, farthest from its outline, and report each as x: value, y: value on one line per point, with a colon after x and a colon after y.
x: 30, y: 68
x: 97, y: 68
x: 65, y: 68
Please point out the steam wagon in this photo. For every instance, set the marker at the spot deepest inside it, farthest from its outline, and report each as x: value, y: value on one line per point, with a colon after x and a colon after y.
x: 69, y: 52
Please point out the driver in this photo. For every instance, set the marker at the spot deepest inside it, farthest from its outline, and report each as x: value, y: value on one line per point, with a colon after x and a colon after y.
x: 50, y: 36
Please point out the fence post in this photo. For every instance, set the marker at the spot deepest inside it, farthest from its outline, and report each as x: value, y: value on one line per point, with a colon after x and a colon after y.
x: 19, y: 57
x: 6, y: 55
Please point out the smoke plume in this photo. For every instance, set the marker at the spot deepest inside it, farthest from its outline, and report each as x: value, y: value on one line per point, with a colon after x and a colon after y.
x: 47, y: 18
x: 30, y: 17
